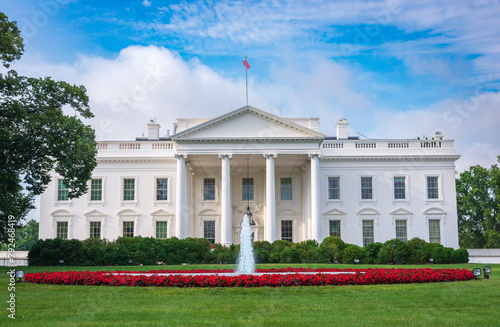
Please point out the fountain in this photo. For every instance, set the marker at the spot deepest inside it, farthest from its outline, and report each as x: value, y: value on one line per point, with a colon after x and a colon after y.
x: 246, y: 260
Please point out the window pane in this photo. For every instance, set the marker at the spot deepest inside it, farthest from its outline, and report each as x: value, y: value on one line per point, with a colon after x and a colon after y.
x: 401, y: 233
x: 96, y: 190
x: 209, y: 230
x: 62, y: 190
x: 367, y: 232
x: 209, y: 189
x: 62, y: 230
x: 161, y: 229
x: 399, y: 188
x: 334, y: 188
x: 286, y: 189
x: 161, y: 189
x: 128, y: 189
x: 95, y: 229
x: 434, y: 231
x: 335, y: 228
x: 286, y: 230
x: 366, y: 188
x: 247, y: 188
x: 432, y: 188
x: 128, y: 229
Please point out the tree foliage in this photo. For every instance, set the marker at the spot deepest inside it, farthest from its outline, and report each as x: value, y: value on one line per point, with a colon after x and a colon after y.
x: 26, y: 237
x: 478, y: 205
x: 36, y: 136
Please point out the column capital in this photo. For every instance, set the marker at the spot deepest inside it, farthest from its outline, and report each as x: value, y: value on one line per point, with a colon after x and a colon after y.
x: 268, y: 155
x: 312, y: 155
x: 226, y: 155
x: 178, y: 156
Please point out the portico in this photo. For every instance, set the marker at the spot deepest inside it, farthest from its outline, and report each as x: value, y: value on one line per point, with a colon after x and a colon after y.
x: 277, y: 151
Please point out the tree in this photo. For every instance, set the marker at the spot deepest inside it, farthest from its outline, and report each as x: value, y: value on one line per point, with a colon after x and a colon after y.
x: 478, y: 204
x: 25, y: 236
x: 36, y: 136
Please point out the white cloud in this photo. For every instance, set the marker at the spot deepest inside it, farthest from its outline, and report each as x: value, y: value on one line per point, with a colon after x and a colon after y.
x: 472, y: 123
x: 146, y: 82
x: 146, y: 3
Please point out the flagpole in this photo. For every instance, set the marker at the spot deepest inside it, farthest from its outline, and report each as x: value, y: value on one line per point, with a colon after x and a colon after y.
x: 246, y: 81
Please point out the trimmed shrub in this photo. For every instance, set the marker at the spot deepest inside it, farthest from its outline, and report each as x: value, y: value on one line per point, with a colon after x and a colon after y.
x: 372, y: 251
x: 461, y: 256
x: 354, y: 252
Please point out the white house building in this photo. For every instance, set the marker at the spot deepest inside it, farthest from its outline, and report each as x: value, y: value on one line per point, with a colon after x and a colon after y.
x: 299, y: 185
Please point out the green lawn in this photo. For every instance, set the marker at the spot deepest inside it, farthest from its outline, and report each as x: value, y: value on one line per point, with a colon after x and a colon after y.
x: 469, y: 303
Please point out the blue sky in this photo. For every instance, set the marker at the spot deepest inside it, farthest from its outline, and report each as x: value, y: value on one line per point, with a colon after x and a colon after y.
x: 394, y: 69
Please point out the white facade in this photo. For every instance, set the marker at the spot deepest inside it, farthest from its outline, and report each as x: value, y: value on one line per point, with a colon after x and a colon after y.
x: 301, y: 185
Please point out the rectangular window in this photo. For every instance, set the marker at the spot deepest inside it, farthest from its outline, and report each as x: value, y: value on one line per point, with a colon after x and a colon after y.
x: 128, y: 189
x: 209, y: 230
x: 96, y: 189
x: 399, y: 188
x: 62, y: 230
x: 128, y: 229
x: 161, y: 229
x: 62, y: 190
x: 209, y: 189
x: 161, y: 189
x: 366, y: 188
x: 432, y: 187
x: 401, y: 232
x: 286, y: 230
x: 367, y: 232
x: 434, y: 231
x: 333, y: 188
x: 286, y: 189
x: 95, y: 229
x: 247, y: 189
x: 335, y: 228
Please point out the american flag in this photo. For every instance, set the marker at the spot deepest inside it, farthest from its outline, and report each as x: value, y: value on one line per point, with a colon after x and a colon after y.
x: 245, y: 62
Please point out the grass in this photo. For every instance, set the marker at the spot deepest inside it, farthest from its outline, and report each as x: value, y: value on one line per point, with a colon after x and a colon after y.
x: 444, y: 304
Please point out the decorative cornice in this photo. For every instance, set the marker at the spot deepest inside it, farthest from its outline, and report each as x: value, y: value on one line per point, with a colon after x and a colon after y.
x: 391, y: 158
x: 251, y: 139
x: 137, y: 159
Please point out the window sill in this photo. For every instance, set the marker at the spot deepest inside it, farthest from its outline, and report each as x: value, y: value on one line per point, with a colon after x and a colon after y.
x: 401, y: 201
x: 128, y: 202
x: 160, y: 202
x: 440, y: 201
x: 95, y: 202
x: 341, y: 202
x: 210, y: 202
x: 367, y: 201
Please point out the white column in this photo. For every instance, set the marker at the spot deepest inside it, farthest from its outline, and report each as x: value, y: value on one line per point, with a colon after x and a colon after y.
x: 180, y: 204
x: 270, y: 225
x: 315, y: 198
x: 226, y: 226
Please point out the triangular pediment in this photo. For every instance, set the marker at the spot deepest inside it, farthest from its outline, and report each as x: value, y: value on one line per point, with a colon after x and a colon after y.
x: 247, y: 123
x: 401, y: 212
x: 335, y: 212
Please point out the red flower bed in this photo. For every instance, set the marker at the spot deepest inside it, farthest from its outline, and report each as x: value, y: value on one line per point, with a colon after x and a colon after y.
x: 361, y: 277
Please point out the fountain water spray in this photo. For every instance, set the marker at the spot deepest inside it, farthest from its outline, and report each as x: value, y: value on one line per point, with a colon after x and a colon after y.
x: 246, y: 260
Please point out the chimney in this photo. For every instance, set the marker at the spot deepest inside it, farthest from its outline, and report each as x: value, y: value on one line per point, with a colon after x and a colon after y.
x: 153, y: 130
x: 342, y: 129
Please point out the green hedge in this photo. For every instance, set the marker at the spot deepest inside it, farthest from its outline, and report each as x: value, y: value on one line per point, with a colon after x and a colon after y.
x: 173, y: 251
